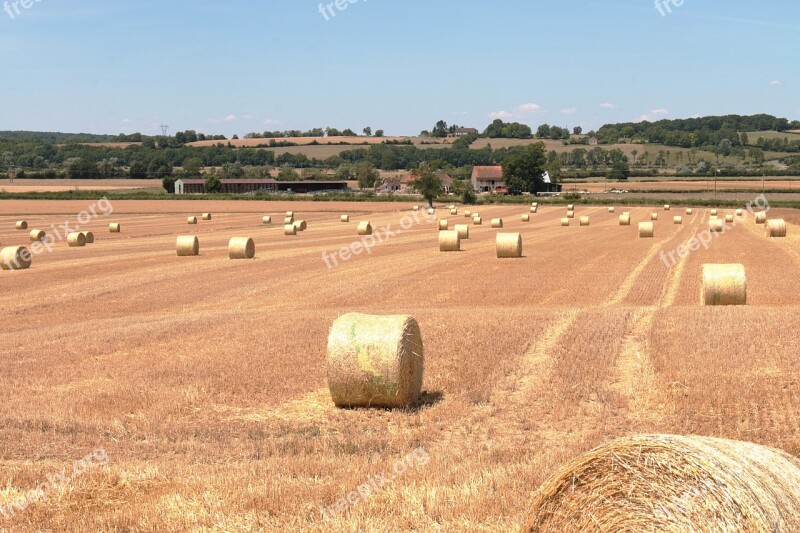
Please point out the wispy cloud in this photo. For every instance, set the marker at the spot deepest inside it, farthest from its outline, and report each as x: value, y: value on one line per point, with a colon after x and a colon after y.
x: 775, y: 83
x: 655, y: 114
x: 518, y: 113
x: 570, y: 110
x: 228, y: 118
x: 529, y: 108
x: 608, y: 105
x: 499, y: 114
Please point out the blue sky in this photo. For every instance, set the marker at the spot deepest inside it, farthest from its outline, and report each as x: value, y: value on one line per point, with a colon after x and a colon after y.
x: 227, y: 66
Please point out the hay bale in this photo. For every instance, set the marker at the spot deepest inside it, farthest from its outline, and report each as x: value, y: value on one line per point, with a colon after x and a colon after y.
x: 534, y: 209
x: 449, y: 241
x: 584, y: 221
x: 415, y: 208
x: 241, y: 248
x: 526, y: 218
x: 206, y: 216
x: 570, y: 207
x: 723, y: 285
x: 716, y: 225
x: 677, y: 220
x: 451, y: 206
x: 463, y: 231
x: 761, y: 217
x: 671, y: 483
x: 289, y: 214
x: 364, y: 228
x: 300, y: 225
x: 15, y: 258
x: 570, y: 214
x: 22, y: 225
x: 187, y: 245
x: 444, y: 225
x: 345, y: 218
x: 266, y: 220
x: 431, y: 211
x: 776, y: 228
x: 288, y: 220
x: 453, y: 212
x: 666, y: 207
x: 375, y: 361
x: 729, y: 218
x: 89, y: 237
x: 289, y: 229
x: 477, y: 221
x: 653, y: 216
x: 535, y: 204
x: 76, y: 240
x: 625, y: 220
x: 689, y: 211
x: 37, y: 235
x: 497, y: 223
x: 611, y: 209
x: 114, y: 228
x: 508, y: 245
x: 565, y: 222
x: 192, y: 220
x: 740, y: 212
x: 646, y: 230
x: 714, y: 212
x: 467, y: 214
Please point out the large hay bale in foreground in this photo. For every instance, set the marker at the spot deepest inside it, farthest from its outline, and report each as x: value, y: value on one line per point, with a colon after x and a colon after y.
x: 497, y: 223
x: 672, y: 483
x: 761, y: 217
x: 241, y: 248
x: 449, y: 241
x: 345, y: 218
x: 22, y: 225
x: 266, y: 220
x: 584, y: 221
x: 646, y: 230
x: 289, y: 229
x: 114, y: 227
x: 625, y: 220
x: 463, y: 231
x: 565, y: 222
x: 723, y: 285
x: 375, y: 361
x: 89, y: 237
x: 677, y: 220
x: 187, y: 245
x: 444, y: 225
x: 37, y: 235
x: 364, y: 228
x: 508, y: 245
x: 76, y: 240
x: 15, y: 258
x: 776, y: 228
x: 206, y: 216
x: 192, y: 220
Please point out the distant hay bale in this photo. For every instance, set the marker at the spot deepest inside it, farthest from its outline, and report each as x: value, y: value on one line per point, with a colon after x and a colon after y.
x: 534, y: 209
x: 497, y: 223
x: 15, y: 258
x: 375, y: 361
x: 723, y: 285
x: 689, y: 211
x: 653, y: 216
x: 667, y: 207
x: 300, y: 225
x: 288, y: 220
x: 714, y: 212
x: 535, y: 204
x: 584, y: 221
x: 415, y: 208
x: 364, y: 228
x: 289, y: 214
x: 776, y: 228
x: 565, y: 222
x: 37, y: 235
x: 467, y: 214
x: 289, y: 229
x: 206, y: 216
x: 611, y: 209
x: 266, y: 220
x: 451, y: 206
x: 192, y: 220
x: 761, y: 217
x: 570, y: 214
x: 671, y: 483
x: 431, y: 211
x: 740, y: 212
x: 187, y: 245
x: 114, y: 228
x: 449, y: 241
x: 22, y: 225
x: 526, y: 218
x: 463, y: 231
x: 624, y: 220
x: 444, y: 225
x: 729, y: 218
x: 89, y: 237
x: 570, y: 207
x: 241, y: 248
x: 345, y: 218
x: 677, y: 220
x: 477, y: 221
x: 508, y: 245
x: 646, y: 230
x: 76, y: 240
x: 453, y: 212
x: 716, y: 225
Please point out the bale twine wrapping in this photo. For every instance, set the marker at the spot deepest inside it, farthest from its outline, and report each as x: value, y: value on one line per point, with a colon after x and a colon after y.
x: 449, y: 241
x: 288, y: 220
x: 677, y: 220
x: 526, y: 218
x: 714, y: 212
x: 345, y: 218
x: 463, y: 231
x: 22, y: 225
x: 534, y: 209
x: 689, y: 211
x: 716, y: 225
x: 76, y: 240
x: 671, y: 483
x: 241, y: 248
x: 723, y: 285
x: 646, y: 230
x: 37, y: 235
x: 653, y: 216
x: 611, y: 209
x: 776, y: 228
x: 289, y: 229
x: 667, y: 207
x: 565, y: 222
x: 192, y: 220
x: 114, y: 227
x: 300, y: 225
x: 509, y: 245
x: 625, y: 220
x: 375, y: 361
x: 570, y: 214
x: 266, y: 220
x: 364, y: 228
x: 206, y: 216
x: 89, y: 237
x: 15, y: 258
x: 478, y: 221
x: 444, y: 225
x: 584, y: 221
x: 761, y: 217
x: 497, y: 223
x: 728, y: 218
x: 187, y: 245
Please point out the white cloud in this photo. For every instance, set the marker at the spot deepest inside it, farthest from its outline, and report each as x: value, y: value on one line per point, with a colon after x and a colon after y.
x: 519, y: 111
x: 775, y: 83
x: 229, y: 118
x: 655, y: 114
x: 529, y: 108
x: 569, y: 110
x: 608, y: 105
x: 499, y: 114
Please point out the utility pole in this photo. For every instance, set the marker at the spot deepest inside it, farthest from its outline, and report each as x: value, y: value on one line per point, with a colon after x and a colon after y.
x: 164, y: 129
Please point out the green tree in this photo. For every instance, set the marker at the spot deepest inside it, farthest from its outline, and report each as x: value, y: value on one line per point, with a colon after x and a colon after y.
x: 287, y: 173
x: 138, y: 171
x: 523, y: 171
x: 368, y: 131
x: 213, y: 184
x: 619, y: 170
x: 428, y: 184
x: 379, y: 133
x: 366, y: 175
x: 554, y: 169
x: 577, y: 130
x: 440, y: 129
x: 345, y: 172
x: 193, y: 166
x: 159, y: 168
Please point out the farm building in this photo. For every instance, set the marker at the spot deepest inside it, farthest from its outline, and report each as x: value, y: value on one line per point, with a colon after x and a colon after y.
x: 490, y: 179
x: 244, y: 186
x: 462, y: 132
x: 401, y: 185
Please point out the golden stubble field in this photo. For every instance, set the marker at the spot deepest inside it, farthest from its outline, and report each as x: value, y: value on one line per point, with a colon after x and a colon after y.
x: 202, y: 380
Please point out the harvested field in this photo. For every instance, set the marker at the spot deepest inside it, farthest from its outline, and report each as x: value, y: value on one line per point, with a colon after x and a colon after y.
x: 59, y: 185
x: 204, y: 379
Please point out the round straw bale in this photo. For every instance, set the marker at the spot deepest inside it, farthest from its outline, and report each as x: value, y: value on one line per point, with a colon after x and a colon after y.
x: 89, y: 237
x: 289, y: 229
x: 653, y: 216
x: 714, y: 212
x: 761, y: 217
x: 671, y: 483
x: 509, y: 245
x: 375, y: 361
x: 611, y: 209
x: 728, y: 218
x: 206, y: 216
x: 415, y: 208
x: 497, y: 223
x: 666, y: 207
x: 776, y: 228
x: 716, y: 225
x: 723, y: 285
x: 534, y: 209
x: 289, y: 214
x: 444, y: 225
x: 37, y: 235
x: 625, y: 220
x: 76, y: 240
x: 300, y: 225
x: 565, y: 222
x: 467, y: 214
x: 740, y: 212
x: 689, y: 211
x: 15, y: 258
x: 192, y: 220
x: 677, y: 220
x: 288, y: 220
x: 266, y: 220
x: 646, y: 230
x: 535, y: 204
x: 454, y: 211
x: 364, y: 228
x: 431, y: 211
x: 477, y: 220
x: 584, y: 221
x: 22, y: 225
x: 570, y: 207
x: 463, y: 231
x: 345, y: 218
x: 187, y: 245
x: 241, y: 248
x: 451, y: 206
x: 570, y: 214
x: 114, y: 227
x: 526, y: 218
x: 449, y: 241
